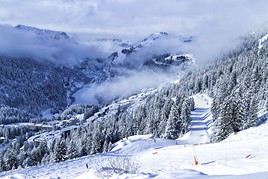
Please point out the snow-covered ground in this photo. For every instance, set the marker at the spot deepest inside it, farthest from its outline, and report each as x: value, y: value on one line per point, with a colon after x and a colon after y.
x: 241, y: 155
x: 245, y: 153
x: 201, y: 121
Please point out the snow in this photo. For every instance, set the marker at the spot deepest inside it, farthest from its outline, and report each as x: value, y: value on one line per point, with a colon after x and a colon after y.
x: 244, y: 154
x: 249, y: 133
x: 127, y: 141
x: 202, y: 101
x: 201, y: 121
x: 241, y: 155
x: 261, y: 41
x: 89, y: 174
x: 175, y: 57
x: 145, y: 142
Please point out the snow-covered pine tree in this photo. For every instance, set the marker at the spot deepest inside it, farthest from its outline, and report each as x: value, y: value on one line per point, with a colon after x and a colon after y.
x: 222, y: 127
x: 185, y: 116
x: 97, y: 139
x: 232, y: 114
x: 10, y: 160
x: 172, y: 130
x: 60, y: 150
x: 165, y: 115
x: 72, y: 150
x: 251, y: 118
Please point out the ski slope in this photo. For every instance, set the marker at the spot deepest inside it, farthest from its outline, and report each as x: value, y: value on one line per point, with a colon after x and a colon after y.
x: 201, y: 121
x: 241, y: 155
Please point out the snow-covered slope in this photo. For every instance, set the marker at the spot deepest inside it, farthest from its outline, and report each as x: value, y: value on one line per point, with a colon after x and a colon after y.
x: 44, y: 33
x: 201, y: 121
x: 241, y: 155
x: 147, y: 52
x: 230, y: 157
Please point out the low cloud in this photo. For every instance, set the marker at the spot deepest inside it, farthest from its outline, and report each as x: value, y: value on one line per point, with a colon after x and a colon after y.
x: 122, y: 86
x: 20, y: 43
x: 216, y: 27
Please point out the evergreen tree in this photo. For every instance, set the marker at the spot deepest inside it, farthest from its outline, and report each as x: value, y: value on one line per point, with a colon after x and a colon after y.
x: 72, y: 150
x: 172, y: 131
x: 10, y: 160
x: 60, y: 151
x: 251, y: 118
x: 185, y: 116
x: 223, y: 125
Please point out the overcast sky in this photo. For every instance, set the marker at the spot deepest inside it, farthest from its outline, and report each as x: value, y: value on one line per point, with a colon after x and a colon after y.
x: 136, y: 16
x: 215, y: 24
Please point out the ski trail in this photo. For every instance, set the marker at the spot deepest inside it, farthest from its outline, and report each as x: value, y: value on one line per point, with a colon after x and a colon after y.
x: 201, y: 121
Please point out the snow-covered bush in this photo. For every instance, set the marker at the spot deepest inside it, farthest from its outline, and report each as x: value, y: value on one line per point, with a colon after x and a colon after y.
x: 117, y: 165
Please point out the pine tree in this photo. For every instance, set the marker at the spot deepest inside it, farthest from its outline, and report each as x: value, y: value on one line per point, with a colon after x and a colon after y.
x: 239, y: 113
x: 172, y: 130
x: 97, y: 139
x: 223, y: 126
x: 2, y: 164
x: 60, y: 150
x: 251, y: 119
x: 72, y: 150
x: 10, y: 159
x: 185, y: 116
x: 106, y: 144
x: 164, y: 115
x: 192, y: 104
x: 232, y: 113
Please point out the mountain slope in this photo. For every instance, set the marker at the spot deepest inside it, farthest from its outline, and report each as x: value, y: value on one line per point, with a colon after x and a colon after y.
x: 165, y: 112
x: 35, y: 86
x: 241, y: 154
x: 44, y: 33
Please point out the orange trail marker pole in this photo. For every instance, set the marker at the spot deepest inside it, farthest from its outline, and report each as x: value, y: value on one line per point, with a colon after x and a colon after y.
x: 195, y: 161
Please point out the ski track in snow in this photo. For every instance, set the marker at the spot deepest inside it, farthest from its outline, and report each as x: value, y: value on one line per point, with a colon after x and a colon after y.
x: 201, y: 121
x: 241, y: 155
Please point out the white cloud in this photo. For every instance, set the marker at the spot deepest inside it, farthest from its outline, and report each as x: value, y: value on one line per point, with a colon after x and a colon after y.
x: 18, y: 43
x: 133, y: 16
x: 121, y: 87
x: 216, y: 24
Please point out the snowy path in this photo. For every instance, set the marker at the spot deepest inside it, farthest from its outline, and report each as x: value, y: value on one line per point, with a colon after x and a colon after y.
x: 201, y: 121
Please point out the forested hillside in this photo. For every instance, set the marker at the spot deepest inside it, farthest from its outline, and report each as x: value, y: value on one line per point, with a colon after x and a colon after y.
x: 237, y: 83
x: 35, y: 86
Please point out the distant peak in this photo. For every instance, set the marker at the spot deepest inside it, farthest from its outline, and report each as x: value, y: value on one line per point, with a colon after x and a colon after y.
x: 158, y: 35
x: 163, y: 33
x: 57, y: 35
